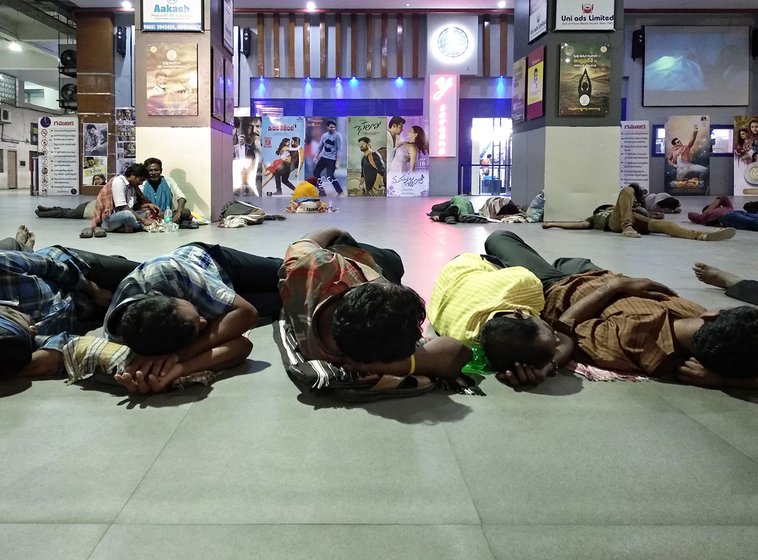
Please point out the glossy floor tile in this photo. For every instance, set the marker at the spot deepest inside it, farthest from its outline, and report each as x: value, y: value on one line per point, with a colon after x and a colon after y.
x: 249, y: 467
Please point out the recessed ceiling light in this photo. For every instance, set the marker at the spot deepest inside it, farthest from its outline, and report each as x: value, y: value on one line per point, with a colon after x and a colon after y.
x: 127, y: 5
x: 310, y: 6
x: 14, y: 46
x: 501, y: 4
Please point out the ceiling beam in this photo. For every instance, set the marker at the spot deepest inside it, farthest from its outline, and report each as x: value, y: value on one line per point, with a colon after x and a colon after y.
x: 42, y: 17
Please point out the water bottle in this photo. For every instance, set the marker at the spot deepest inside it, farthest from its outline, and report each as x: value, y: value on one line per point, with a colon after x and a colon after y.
x: 330, y: 208
x: 168, y: 223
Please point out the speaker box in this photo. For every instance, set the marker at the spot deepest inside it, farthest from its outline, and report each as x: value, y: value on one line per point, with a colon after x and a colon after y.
x: 245, y: 41
x: 68, y: 57
x: 638, y: 44
x: 121, y: 40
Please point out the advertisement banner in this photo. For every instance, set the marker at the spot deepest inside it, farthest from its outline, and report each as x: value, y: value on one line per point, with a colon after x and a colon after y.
x: 326, y: 153
x: 537, y: 19
x: 172, y: 16
x: 635, y: 157
x: 248, y: 155
x: 443, y: 115
x: 282, y: 153
x: 366, y: 156
x: 408, y: 168
x: 58, y: 155
x: 534, y: 83
x: 688, y: 153
x: 518, y: 112
x: 585, y: 71
x: 171, y: 70
x: 745, y: 141
x: 584, y: 16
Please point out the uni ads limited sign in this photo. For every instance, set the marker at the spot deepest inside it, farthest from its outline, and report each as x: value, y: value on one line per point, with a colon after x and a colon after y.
x: 576, y: 15
x: 172, y: 15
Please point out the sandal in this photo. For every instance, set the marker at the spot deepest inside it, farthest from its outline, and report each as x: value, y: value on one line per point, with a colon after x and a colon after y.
x: 99, y: 232
x: 86, y: 233
x: 388, y: 387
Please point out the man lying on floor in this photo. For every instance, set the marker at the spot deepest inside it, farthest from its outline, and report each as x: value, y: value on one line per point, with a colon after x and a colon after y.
x: 637, y: 325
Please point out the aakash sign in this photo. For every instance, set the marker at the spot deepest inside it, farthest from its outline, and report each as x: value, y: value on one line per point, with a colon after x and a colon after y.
x: 172, y: 15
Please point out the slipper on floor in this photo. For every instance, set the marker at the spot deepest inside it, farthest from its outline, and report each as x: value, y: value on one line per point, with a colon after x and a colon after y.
x: 99, y: 232
x: 188, y: 224
x: 388, y: 387
x: 86, y: 233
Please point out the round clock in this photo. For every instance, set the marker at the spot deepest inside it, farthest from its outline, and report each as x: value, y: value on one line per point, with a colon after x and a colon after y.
x: 452, y: 42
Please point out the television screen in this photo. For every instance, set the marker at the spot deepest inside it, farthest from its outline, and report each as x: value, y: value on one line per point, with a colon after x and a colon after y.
x: 696, y: 66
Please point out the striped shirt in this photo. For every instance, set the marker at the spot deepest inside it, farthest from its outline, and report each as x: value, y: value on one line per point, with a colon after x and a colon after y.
x: 188, y: 273
x: 632, y: 334
x: 471, y: 290
x: 313, y: 277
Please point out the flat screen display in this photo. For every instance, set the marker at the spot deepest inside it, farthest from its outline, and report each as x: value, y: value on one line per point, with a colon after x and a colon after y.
x: 696, y: 66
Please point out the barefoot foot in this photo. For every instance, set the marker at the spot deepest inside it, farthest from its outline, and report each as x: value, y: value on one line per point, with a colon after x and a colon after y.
x: 25, y: 239
x: 714, y: 276
x: 630, y: 232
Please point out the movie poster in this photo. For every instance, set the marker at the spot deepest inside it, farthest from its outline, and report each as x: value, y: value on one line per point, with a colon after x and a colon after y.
x: 248, y: 155
x: 326, y: 153
x: 585, y: 71
x: 688, y: 153
x: 171, y: 79
x: 366, y: 156
x: 282, y: 153
x: 518, y: 113
x: 745, y: 142
x: 408, y: 157
x: 534, y: 83
x: 125, y: 123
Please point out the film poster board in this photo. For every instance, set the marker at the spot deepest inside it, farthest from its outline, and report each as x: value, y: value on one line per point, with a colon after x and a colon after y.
x: 745, y: 149
x: 366, y: 156
x: 248, y: 155
x: 171, y: 70
x: 282, y: 154
x: 688, y: 153
x: 535, y: 63
x: 585, y: 71
x: 58, y: 155
x: 537, y: 19
x: 94, y: 153
x: 408, y: 169
x: 635, y: 158
x: 315, y: 129
x: 518, y: 113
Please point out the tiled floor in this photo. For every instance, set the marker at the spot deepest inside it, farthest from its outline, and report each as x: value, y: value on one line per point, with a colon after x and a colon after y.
x: 248, y: 468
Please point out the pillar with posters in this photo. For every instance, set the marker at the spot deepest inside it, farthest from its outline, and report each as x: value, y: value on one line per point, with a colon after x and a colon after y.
x: 58, y: 147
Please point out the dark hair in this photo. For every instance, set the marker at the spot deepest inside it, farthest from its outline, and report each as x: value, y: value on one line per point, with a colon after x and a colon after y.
x: 330, y: 122
x: 282, y: 144
x: 101, y: 177
x: 674, y: 141
x: 16, y: 353
x: 91, y: 127
x: 506, y: 340
x: 136, y: 170
x: 395, y: 120
x: 740, y: 141
x: 639, y: 195
x: 365, y: 139
x: 295, y: 140
x: 151, y: 160
x: 152, y: 327
x: 421, y: 143
x: 669, y: 202
x: 161, y: 73
x: 728, y: 344
x: 378, y: 322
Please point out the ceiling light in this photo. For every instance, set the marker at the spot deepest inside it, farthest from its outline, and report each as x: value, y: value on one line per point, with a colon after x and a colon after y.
x: 127, y: 5
x: 14, y: 46
x: 501, y: 4
x: 310, y: 6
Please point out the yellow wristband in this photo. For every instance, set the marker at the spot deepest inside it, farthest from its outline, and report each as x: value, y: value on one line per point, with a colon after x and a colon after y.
x: 413, y: 364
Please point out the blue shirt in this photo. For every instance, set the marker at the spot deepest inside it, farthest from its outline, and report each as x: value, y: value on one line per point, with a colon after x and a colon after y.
x: 188, y: 273
x: 330, y: 145
x: 45, y: 284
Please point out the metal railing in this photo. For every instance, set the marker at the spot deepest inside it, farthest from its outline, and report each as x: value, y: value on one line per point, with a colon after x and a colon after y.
x: 477, y: 179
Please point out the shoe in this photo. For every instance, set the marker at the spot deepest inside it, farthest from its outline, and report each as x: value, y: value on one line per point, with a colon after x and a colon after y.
x: 86, y: 233
x: 719, y: 235
x: 99, y: 232
x: 188, y: 224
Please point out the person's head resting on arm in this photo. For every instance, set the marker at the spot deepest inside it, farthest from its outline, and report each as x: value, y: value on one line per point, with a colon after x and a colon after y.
x: 513, y: 338
x: 728, y: 344
x: 157, y: 325
x: 17, y: 332
x: 378, y: 322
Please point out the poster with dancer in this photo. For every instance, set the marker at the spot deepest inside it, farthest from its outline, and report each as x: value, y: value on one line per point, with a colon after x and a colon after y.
x: 745, y: 142
x: 171, y: 70
x: 534, y: 84
x: 366, y: 156
x: 585, y: 71
x: 248, y: 154
x: 325, y: 153
x: 408, y: 168
x: 688, y: 153
x: 282, y: 154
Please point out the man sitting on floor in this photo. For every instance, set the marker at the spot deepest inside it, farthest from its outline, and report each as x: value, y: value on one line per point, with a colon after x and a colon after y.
x: 183, y: 312
x: 637, y: 325
x: 346, y: 306
x: 165, y: 193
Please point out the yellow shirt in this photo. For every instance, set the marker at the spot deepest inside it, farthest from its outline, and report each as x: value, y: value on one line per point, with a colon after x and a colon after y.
x: 303, y: 190
x: 470, y: 291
